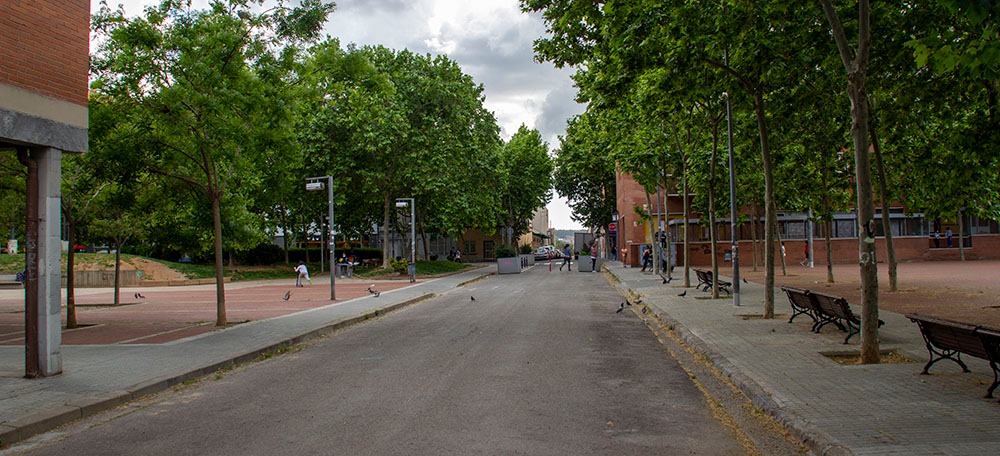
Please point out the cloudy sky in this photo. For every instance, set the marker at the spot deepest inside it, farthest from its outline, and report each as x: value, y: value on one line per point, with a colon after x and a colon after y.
x: 490, y: 39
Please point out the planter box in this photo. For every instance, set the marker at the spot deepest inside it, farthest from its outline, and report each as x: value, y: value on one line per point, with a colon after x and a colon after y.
x: 528, y: 260
x: 509, y: 265
x: 584, y: 264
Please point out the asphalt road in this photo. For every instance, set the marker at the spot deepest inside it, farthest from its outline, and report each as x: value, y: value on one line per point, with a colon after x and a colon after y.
x: 539, y: 363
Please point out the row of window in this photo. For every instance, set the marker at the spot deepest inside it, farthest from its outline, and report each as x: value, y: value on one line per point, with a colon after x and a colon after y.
x: 795, y: 226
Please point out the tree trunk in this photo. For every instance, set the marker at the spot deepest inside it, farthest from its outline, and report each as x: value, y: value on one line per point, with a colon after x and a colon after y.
x: 890, y: 247
x: 829, y: 252
x: 220, y: 286
x: 782, y: 250
x: 856, y: 68
x: 118, y: 271
x: 961, y: 236
x: 754, y: 222
x: 687, y: 250
x: 71, y: 322
x: 666, y: 226
x: 652, y: 232
x: 284, y: 231
x: 386, y: 204
x: 770, y: 207
x: 866, y: 214
x: 712, y: 230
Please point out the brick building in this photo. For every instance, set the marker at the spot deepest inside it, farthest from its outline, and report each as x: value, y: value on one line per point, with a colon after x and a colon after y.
x: 913, y: 234
x: 44, y: 56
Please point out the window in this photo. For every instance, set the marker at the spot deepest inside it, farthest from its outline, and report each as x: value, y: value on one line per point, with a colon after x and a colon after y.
x: 469, y: 247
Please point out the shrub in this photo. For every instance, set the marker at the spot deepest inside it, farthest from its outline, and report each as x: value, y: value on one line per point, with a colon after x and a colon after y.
x: 505, y: 251
x: 525, y: 249
x: 263, y: 254
x: 398, y: 265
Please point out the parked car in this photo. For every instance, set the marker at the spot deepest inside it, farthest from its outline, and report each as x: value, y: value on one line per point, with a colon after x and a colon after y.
x: 547, y: 251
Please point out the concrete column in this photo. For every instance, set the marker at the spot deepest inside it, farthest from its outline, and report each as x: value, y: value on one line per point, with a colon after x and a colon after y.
x: 49, y: 253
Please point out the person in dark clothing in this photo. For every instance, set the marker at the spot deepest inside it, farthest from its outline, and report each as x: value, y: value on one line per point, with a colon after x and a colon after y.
x: 567, y: 257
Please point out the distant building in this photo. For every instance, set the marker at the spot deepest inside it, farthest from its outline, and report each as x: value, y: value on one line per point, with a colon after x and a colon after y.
x: 913, y: 234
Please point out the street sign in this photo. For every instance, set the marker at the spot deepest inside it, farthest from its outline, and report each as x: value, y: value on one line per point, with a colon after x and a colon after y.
x: 612, y: 227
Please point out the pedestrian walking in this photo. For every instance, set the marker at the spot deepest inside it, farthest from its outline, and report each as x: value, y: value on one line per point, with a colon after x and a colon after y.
x: 567, y: 258
x: 937, y: 239
x: 303, y: 273
x: 947, y: 237
x: 647, y: 259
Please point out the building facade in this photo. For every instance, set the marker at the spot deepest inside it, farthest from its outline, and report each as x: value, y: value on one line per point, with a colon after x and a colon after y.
x: 44, y: 50
x: 913, y: 234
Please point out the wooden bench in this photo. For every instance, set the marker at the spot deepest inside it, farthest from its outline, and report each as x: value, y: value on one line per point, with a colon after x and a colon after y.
x: 801, y: 304
x: 836, y: 310
x: 947, y: 339
x: 706, y: 278
x: 703, y: 278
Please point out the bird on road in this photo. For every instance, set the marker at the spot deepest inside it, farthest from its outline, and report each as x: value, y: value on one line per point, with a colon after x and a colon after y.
x: 620, y: 308
x: 372, y: 291
x: 139, y: 296
x: 628, y: 303
x: 667, y: 280
x: 472, y: 298
x: 745, y: 280
x: 683, y: 294
x: 288, y: 294
x: 643, y: 310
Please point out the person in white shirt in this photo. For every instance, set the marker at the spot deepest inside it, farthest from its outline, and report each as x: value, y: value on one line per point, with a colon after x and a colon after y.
x: 303, y: 273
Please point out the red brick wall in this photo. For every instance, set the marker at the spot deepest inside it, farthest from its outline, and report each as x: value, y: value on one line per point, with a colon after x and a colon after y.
x: 984, y: 247
x: 630, y: 195
x: 44, y: 47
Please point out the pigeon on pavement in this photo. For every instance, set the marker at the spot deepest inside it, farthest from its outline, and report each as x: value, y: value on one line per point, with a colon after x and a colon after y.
x: 683, y: 294
x: 288, y: 294
x: 620, y: 308
x: 472, y: 298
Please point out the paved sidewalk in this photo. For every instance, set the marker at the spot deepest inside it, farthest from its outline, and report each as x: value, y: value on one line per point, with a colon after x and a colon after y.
x: 99, y: 377
x: 884, y: 409
x: 837, y: 409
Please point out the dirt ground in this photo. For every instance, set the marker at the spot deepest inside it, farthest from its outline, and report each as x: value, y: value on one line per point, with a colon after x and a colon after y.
x: 151, y: 270
x: 967, y: 291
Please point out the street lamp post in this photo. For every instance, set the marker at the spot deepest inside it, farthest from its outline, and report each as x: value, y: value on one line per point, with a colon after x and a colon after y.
x: 614, y: 236
x: 316, y: 183
x: 734, y: 248
x: 412, y: 267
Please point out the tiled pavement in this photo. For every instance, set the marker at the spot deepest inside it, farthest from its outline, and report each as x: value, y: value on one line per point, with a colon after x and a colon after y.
x: 838, y: 409
x: 883, y: 409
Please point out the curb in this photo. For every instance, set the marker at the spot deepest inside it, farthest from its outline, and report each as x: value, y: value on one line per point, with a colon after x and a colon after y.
x: 82, y: 407
x: 817, y: 440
